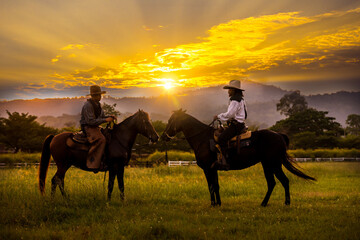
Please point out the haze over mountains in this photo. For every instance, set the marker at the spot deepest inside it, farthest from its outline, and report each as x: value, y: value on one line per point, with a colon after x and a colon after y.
x: 202, y: 103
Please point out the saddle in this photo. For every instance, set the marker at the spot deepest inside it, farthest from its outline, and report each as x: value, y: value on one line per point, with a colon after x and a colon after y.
x: 240, y: 141
x: 78, y: 140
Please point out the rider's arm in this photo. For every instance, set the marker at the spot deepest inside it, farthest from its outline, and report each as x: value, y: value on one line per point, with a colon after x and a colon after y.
x: 233, y: 107
x: 89, y: 116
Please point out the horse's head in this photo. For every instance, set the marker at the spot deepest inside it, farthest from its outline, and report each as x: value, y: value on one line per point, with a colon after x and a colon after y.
x: 144, y: 126
x: 174, y: 125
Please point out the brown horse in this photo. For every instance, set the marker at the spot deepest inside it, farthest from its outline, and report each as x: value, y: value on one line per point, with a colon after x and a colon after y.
x: 267, y: 147
x: 117, y: 152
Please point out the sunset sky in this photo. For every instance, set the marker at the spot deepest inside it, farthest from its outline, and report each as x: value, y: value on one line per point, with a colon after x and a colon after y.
x: 143, y: 47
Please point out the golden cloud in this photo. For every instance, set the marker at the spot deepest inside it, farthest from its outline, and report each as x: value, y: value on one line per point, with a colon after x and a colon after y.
x: 72, y: 46
x: 241, y: 47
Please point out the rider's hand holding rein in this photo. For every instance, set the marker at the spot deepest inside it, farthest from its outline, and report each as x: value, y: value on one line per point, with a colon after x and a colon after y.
x: 110, y: 119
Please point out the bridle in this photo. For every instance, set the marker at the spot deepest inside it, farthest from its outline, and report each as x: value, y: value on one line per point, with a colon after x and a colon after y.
x: 144, y: 129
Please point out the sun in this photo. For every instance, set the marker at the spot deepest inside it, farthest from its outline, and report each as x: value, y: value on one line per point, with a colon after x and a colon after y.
x: 166, y: 83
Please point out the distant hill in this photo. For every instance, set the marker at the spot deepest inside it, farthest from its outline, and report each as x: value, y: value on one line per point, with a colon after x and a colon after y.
x: 202, y: 103
x: 339, y: 105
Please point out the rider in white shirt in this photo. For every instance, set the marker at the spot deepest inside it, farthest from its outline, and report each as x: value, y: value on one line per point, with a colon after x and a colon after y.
x: 235, y: 117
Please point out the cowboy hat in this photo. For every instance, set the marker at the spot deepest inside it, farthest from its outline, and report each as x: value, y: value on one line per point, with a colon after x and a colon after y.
x: 235, y: 84
x: 95, y: 89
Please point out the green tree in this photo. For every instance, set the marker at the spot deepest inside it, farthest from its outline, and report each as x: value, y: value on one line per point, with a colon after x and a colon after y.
x: 310, y: 120
x: 291, y: 103
x: 353, y: 122
x: 310, y: 128
x: 350, y: 141
x: 304, y: 140
x: 110, y: 110
x: 22, y: 132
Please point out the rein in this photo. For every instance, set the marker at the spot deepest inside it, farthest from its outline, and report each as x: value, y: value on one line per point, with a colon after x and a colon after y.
x: 184, y: 138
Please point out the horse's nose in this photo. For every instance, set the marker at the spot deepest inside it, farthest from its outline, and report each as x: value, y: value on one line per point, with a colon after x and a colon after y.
x: 165, y: 137
x: 156, y: 138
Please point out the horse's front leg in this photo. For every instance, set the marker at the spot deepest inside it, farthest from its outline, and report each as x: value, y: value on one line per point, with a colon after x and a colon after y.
x: 120, y: 178
x: 217, y: 188
x: 213, y: 184
x: 112, y: 176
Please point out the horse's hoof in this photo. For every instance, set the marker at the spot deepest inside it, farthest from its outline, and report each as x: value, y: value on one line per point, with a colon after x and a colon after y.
x: 263, y: 204
x: 287, y: 203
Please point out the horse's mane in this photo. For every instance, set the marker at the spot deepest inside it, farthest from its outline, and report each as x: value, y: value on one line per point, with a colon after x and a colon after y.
x: 192, y: 119
x: 128, y: 119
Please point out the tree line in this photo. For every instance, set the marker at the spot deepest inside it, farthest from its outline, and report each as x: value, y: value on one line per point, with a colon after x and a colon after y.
x: 306, y: 127
x: 309, y: 128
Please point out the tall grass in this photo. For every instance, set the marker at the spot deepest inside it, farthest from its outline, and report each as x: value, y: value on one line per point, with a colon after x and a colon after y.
x: 173, y: 203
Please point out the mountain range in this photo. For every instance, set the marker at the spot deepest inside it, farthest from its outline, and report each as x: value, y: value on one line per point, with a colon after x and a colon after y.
x: 202, y: 103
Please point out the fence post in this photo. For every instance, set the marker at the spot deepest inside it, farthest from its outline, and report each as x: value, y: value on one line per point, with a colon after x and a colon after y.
x: 166, y: 154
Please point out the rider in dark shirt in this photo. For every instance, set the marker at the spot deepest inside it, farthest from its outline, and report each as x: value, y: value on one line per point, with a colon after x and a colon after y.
x: 92, y: 116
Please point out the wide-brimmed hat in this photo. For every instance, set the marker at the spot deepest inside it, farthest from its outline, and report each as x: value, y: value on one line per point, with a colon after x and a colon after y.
x: 95, y: 89
x: 235, y: 84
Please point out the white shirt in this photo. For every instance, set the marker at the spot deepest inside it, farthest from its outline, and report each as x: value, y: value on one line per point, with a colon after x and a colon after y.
x: 236, y: 110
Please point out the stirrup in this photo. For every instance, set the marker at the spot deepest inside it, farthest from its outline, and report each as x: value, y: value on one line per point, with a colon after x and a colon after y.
x: 220, y: 164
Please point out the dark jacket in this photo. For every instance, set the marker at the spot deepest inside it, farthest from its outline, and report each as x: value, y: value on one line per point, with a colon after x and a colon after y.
x: 92, y: 114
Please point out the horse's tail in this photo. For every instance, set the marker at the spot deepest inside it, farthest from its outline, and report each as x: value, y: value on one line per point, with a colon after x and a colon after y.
x: 289, y: 164
x: 44, y: 163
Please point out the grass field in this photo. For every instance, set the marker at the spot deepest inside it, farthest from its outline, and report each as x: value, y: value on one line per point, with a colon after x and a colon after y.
x: 173, y: 203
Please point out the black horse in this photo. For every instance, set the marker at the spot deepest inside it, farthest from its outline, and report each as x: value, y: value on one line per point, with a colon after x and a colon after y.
x: 118, y: 152
x: 267, y: 147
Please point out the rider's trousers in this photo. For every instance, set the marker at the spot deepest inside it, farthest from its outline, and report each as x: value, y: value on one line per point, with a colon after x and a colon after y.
x: 98, y: 142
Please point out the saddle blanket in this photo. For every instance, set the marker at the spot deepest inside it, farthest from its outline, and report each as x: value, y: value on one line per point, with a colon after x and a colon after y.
x: 242, y: 136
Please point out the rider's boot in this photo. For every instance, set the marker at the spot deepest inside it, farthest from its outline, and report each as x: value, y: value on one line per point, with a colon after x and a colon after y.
x: 221, y: 163
x: 103, y: 165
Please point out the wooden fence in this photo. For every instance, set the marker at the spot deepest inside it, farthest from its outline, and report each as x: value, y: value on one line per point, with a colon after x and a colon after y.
x: 340, y: 159
x: 189, y: 163
x: 181, y: 163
